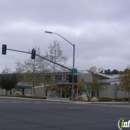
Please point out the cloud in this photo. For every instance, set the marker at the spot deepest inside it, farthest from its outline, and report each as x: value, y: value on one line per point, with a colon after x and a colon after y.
x: 99, y: 29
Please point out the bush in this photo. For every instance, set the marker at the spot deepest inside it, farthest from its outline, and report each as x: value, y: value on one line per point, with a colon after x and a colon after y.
x: 113, y: 99
x: 118, y: 99
x: 105, y: 99
x: 17, y: 93
x: 121, y: 99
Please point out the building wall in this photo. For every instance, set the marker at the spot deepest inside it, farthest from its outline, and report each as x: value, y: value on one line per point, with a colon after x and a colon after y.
x: 112, y: 92
x: 121, y: 94
x: 2, y: 91
x: 86, y: 76
x: 107, y: 91
x: 40, y: 91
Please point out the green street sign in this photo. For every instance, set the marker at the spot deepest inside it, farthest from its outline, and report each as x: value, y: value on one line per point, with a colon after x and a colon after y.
x: 74, y: 70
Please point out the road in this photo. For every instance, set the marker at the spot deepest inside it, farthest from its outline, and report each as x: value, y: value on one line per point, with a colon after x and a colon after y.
x: 20, y: 114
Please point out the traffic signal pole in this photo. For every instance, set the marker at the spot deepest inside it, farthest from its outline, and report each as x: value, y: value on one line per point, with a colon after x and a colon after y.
x: 49, y: 32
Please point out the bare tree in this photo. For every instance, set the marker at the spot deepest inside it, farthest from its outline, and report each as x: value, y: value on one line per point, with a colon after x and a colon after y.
x: 55, y: 54
x: 80, y: 87
x: 6, y: 70
x: 95, y: 85
x: 33, y: 71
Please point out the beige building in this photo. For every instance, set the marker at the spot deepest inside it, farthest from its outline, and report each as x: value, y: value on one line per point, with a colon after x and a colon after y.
x: 108, y: 90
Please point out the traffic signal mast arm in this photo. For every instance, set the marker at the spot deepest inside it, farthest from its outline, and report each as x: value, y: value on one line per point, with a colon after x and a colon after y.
x: 54, y: 62
x: 41, y: 57
x: 19, y: 51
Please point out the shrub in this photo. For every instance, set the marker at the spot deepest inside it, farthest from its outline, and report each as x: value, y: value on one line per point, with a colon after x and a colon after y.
x: 121, y: 99
x: 17, y: 93
x: 105, y: 99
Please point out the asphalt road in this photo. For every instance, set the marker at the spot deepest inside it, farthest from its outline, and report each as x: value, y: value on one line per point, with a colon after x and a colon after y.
x: 18, y: 114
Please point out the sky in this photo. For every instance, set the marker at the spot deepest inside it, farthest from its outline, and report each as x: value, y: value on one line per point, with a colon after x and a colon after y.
x: 99, y: 29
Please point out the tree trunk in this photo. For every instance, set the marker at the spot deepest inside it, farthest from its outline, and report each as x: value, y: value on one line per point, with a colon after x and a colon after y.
x: 50, y: 90
x: 125, y: 95
x: 6, y: 92
x: 61, y: 93
x: 90, y: 94
x: 77, y: 91
x: 11, y: 92
x: 33, y: 89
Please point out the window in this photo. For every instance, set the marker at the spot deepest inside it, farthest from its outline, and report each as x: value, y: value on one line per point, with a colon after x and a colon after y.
x: 58, y: 77
x: 47, y: 77
x: 67, y: 77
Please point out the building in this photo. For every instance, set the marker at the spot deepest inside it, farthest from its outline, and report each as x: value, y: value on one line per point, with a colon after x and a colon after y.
x: 110, y: 88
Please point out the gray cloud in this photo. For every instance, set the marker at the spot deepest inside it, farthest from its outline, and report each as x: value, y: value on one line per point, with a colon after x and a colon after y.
x: 99, y: 29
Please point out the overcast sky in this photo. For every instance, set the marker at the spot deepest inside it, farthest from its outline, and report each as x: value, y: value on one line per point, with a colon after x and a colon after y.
x: 100, y: 30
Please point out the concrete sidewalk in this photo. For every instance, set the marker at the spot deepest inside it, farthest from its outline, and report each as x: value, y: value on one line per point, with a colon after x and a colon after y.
x: 68, y: 101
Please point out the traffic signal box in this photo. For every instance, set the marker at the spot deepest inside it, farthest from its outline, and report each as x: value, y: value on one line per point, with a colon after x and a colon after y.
x: 4, y: 48
x: 75, y: 78
x: 33, y: 54
x: 70, y: 78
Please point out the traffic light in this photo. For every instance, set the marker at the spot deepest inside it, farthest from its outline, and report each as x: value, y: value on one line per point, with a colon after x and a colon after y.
x: 75, y: 78
x: 33, y: 54
x: 70, y: 78
x: 4, y: 47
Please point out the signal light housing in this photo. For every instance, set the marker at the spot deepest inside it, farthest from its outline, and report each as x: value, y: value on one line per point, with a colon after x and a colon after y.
x: 4, y: 48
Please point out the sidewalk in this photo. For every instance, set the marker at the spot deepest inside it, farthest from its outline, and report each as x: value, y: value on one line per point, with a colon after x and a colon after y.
x: 81, y: 102
x: 68, y: 101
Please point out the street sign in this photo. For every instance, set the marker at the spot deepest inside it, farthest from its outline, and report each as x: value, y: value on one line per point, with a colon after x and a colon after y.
x: 74, y: 70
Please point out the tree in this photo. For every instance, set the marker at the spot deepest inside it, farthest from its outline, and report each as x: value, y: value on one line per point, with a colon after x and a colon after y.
x: 66, y: 89
x: 55, y: 54
x: 95, y: 85
x: 108, y: 71
x: 8, y: 83
x: 51, y: 83
x: 125, y: 81
x: 80, y: 87
x: 93, y: 69
x: 115, y: 71
x: 6, y: 70
x: 32, y: 71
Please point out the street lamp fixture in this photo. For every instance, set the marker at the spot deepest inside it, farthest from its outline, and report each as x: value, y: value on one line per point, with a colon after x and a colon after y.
x: 48, y: 32
x: 73, y: 59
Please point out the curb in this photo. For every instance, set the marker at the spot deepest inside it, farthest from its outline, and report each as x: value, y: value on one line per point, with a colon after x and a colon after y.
x: 46, y: 100
x: 74, y: 102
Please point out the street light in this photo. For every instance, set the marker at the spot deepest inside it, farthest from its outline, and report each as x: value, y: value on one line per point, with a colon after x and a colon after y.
x: 73, y: 59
